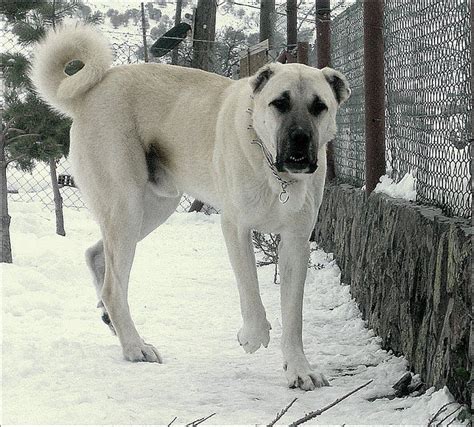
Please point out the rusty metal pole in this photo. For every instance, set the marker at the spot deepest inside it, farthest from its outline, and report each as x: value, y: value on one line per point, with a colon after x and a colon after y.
x: 323, y: 51
x: 374, y: 82
x: 291, y: 29
x: 323, y: 32
x: 472, y: 142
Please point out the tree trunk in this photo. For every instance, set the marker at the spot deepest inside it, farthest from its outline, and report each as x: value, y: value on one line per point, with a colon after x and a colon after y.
x: 204, y: 35
x: 267, y: 21
x: 6, y: 255
x: 58, y: 200
x: 145, y: 47
x: 177, y: 20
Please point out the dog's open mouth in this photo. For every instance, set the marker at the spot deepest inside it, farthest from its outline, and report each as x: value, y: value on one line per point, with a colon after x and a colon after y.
x: 297, y: 163
x: 297, y: 160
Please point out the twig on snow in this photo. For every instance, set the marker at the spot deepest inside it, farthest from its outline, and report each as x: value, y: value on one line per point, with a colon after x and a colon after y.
x: 440, y: 411
x: 172, y: 421
x: 447, y: 416
x: 314, y: 414
x: 282, y: 412
x: 199, y: 421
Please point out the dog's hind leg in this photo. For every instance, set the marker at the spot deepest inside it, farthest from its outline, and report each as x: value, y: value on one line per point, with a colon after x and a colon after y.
x: 95, y: 260
x: 156, y: 211
x: 121, y: 232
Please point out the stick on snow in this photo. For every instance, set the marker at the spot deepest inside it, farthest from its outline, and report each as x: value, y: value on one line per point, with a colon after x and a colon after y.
x: 314, y: 414
x: 199, y: 421
x: 282, y: 412
x: 440, y: 411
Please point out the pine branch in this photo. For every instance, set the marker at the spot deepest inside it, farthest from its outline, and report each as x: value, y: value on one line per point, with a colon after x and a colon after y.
x: 314, y: 414
x: 26, y: 135
x: 10, y: 129
x: 6, y: 126
x: 282, y: 412
x: 15, y: 159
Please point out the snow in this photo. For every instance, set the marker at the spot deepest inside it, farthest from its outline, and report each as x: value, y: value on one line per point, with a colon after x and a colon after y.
x: 405, y: 189
x: 61, y: 365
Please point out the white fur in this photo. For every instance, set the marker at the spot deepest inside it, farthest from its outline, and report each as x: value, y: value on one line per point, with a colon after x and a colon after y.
x: 199, y: 124
x: 58, y: 48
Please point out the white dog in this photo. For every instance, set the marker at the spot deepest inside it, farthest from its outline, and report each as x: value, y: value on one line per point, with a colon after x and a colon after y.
x: 144, y: 134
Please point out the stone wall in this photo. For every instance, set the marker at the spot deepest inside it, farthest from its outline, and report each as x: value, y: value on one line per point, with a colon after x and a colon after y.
x: 408, y: 267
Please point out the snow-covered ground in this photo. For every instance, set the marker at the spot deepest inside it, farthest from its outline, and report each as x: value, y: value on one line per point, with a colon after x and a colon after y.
x: 61, y: 365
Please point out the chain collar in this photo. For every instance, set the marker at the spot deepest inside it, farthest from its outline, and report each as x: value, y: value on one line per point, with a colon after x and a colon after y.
x: 284, y: 196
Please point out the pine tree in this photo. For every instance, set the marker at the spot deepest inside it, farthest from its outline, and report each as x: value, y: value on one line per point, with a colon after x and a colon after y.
x: 31, y: 131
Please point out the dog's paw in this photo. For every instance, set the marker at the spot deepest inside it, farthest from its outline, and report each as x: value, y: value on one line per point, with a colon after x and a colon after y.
x: 141, y: 352
x: 300, y: 375
x: 251, y: 337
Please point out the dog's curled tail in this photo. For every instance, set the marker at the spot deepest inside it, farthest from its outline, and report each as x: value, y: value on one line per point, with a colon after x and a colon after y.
x: 56, y: 69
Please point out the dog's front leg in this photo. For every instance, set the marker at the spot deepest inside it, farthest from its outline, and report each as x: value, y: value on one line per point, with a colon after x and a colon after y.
x: 293, y: 262
x: 255, y: 329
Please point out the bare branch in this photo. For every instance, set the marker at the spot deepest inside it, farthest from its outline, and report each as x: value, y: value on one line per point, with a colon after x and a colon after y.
x: 199, y: 421
x: 302, y: 21
x: 314, y: 414
x: 172, y: 421
x: 447, y: 416
x: 282, y: 412
x: 440, y: 411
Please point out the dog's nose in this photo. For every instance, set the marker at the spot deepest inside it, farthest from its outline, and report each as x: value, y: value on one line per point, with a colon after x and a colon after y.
x: 300, y: 137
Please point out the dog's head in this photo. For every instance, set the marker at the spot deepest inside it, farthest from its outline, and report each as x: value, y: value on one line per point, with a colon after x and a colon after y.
x: 295, y: 112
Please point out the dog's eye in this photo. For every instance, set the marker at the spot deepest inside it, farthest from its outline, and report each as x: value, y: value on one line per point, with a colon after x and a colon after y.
x: 281, y: 104
x: 317, y: 107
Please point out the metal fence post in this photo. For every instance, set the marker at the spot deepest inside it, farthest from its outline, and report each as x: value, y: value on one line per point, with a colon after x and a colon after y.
x: 323, y: 32
x: 472, y: 135
x: 374, y: 93
x: 323, y: 49
x: 291, y: 30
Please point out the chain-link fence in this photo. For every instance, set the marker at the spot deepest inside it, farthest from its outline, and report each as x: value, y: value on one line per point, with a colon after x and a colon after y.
x: 35, y: 185
x: 428, y: 98
x: 428, y: 73
x: 347, y: 56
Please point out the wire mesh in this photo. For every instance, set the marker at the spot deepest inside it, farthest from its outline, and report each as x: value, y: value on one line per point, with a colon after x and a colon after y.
x: 429, y: 99
x: 347, y: 56
x: 35, y: 186
x: 428, y: 94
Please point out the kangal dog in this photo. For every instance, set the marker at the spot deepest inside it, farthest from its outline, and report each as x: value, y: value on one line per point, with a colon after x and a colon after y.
x: 144, y: 134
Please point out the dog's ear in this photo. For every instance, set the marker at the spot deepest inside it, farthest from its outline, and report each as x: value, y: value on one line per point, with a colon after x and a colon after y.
x: 338, y: 83
x: 261, y: 77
